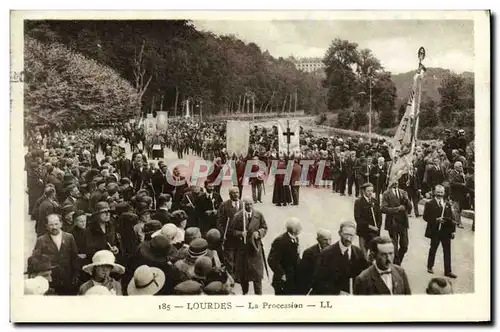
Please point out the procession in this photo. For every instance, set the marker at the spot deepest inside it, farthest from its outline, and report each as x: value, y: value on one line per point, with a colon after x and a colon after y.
x: 165, y: 205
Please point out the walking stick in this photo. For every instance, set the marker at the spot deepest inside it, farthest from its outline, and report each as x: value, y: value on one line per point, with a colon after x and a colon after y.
x: 244, y: 225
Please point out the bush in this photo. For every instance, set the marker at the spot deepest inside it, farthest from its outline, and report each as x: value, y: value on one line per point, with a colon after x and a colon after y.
x: 360, y: 118
x: 65, y: 88
x: 428, y: 118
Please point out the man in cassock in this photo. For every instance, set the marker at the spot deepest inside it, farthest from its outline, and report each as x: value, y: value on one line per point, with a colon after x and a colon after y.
x: 249, y: 228
x: 339, y: 264
x: 282, y: 194
x: 284, y: 260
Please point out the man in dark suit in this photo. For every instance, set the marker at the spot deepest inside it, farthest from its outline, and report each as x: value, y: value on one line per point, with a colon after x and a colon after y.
x: 341, y: 170
x: 225, y: 215
x: 310, y: 258
x: 383, y: 277
x: 409, y: 183
x: 61, y: 248
x: 163, y: 214
x: 47, y: 206
x: 378, y: 177
x: 397, y: 206
x: 284, y: 260
x: 339, y: 264
x: 351, y: 173
x: 433, y: 174
x: 208, y: 204
x: 367, y: 216
x: 440, y: 229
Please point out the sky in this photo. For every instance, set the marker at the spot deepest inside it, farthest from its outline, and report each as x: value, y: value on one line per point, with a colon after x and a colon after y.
x: 449, y: 44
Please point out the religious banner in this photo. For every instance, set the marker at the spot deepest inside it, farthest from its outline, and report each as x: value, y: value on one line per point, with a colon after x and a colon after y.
x: 237, y: 137
x: 150, y: 124
x: 161, y: 120
x: 288, y: 136
x: 403, y: 142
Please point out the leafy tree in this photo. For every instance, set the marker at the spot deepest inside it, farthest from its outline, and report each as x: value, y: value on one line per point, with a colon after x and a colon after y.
x: 64, y: 87
x: 428, y: 114
x: 457, y: 95
x: 386, y: 118
x: 345, y: 118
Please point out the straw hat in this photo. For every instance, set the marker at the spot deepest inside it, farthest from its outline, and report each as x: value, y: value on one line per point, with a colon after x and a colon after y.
x: 168, y: 230
x: 104, y: 257
x: 36, y: 286
x: 98, y: 290
x: 146, y: 281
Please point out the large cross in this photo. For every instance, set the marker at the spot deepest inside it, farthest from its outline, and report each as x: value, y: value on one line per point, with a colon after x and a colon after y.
x: 288, y: 133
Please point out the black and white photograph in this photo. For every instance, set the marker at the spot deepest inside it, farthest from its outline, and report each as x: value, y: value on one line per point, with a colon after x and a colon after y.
x: 293, y: 164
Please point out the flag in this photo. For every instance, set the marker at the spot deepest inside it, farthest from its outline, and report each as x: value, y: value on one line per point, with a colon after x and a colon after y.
x: 150, y: 124
x: 161, y: 120
x: 403, y: 142
x: 237, y: 137
x: 283, y: 135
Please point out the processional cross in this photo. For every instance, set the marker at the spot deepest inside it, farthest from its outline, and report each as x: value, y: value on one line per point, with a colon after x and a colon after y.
x: 288, y: 134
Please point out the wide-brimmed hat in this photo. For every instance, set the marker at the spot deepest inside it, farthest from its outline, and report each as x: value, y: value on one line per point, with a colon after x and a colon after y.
x: 98, y: 290
x: 104, y: 257
x: 168, y: 230
x: 147, y: 280
x: 145, y: 210
x: 101, y: 207
x: 36, y: 286
x: 38, y: 264
x: 156, y: 249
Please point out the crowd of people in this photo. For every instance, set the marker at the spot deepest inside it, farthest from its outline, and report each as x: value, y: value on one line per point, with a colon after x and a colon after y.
x: 117, y: 226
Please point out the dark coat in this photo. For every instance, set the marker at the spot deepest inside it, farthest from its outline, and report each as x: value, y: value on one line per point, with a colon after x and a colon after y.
x: 159, y: 182
x: 249, y: 261
x: 46, y: 207
x: 369, y: 282
x: 225, y: 216
x: 163, y: 216
x: 284, y: 259
x: 364, y: 217
x: 378, y: 177
x: 306, y: 267
x: 295, y: 179
x: 207, y: 222
x: 432, y: 211
x: 66, y: 272
x: 332, y: 273
x: 458, y: 189
x: 97, y: 240
x: 433, y: 176
x: 390, y: 202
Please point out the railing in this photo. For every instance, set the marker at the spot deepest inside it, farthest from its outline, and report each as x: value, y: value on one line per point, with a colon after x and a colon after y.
x: 241, y: 116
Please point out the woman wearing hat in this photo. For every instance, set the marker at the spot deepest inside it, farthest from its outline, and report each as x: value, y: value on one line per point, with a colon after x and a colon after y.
x: 101, y: 233
x: 146, y: 281
x: 103, y: 264
x: 144, y: 216
x: 179, y: 219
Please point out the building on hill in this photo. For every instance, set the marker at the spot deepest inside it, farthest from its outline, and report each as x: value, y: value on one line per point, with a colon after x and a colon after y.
x: 309, y: 65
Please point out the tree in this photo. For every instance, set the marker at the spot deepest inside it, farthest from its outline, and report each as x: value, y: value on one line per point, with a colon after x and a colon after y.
x: 340, y: 80
x: 457, y: 95
x: 386, y: 119
x: 401, y: 111
x: 428, y: 114
x: 64, y: 88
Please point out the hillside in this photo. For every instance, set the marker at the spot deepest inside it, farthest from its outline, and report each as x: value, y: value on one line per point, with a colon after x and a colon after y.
x: 430, y: 85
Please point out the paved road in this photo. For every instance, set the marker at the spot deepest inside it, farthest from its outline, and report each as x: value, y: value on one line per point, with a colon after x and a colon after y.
x: 320, y: 208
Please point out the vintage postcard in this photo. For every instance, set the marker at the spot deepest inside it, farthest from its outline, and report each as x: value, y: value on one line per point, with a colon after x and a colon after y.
x: 304, y: 166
